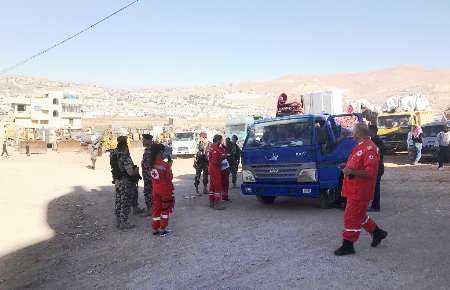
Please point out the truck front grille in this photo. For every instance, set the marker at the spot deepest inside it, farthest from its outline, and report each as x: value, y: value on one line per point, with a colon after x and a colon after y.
x: 275, y: 171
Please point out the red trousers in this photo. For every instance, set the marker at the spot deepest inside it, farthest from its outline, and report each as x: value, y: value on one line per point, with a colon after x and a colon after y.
x: 355, y: 219
x: 161, y: 208
x: 215, y: 185
x: 225, y: 174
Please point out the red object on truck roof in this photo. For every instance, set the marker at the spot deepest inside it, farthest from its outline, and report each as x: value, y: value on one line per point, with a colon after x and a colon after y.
x: 286, y: 109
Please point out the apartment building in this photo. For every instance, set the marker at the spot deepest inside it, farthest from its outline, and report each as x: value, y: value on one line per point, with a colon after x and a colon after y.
x: 49, y: 111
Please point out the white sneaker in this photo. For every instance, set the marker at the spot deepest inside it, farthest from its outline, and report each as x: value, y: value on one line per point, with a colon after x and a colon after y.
x: 440, y: 168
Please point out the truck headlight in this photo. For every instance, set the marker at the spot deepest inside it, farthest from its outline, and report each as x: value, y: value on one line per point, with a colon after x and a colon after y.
x: 247, y: 176
x: 307, y: 175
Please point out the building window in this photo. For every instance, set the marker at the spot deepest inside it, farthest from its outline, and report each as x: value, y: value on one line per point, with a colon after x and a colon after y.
x: 71, y: 122
x: 45, y: 112
x: 44, y: 122
x: 55, y: 102
x: 55, y: 114
x: 21, y: 108
x: 35, y: 121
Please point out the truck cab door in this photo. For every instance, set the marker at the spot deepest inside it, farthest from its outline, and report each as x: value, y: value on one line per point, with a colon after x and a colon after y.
x: 337, y: 150
x: 327, y: 165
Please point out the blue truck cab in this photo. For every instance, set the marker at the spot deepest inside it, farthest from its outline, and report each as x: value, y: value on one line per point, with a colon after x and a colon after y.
x: 297, y: 156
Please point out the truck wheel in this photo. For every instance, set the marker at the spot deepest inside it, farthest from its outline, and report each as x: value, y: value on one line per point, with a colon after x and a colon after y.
x: 327, y: 197
x: 266, y: 199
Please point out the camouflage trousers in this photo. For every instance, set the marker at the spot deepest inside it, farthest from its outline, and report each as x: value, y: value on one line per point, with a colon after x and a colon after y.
x: 198, y: 172
x: 148, y: 191
x: 234, y: 167
x: 134, y: 195
x: 124, y: 192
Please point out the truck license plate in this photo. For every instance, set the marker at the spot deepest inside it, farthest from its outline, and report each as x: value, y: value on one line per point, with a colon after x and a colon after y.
x: 306, y: 190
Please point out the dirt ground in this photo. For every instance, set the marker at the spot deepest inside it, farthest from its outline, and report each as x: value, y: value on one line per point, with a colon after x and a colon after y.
x: 56, y: 218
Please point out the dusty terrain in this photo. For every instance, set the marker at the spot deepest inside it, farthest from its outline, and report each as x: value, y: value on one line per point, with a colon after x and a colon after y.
x: 57, y: 233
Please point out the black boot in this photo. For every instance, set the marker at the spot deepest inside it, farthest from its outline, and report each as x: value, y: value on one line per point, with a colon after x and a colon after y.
x: 377, y: 236
x: 196, y: 190
x: 346, y: 249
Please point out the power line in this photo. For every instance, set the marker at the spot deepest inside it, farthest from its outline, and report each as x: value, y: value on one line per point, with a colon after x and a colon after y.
x: 10, y: 68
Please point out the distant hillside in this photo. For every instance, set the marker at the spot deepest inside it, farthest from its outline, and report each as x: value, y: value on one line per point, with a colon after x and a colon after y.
x: 242, y: 98
x: 375, y: 86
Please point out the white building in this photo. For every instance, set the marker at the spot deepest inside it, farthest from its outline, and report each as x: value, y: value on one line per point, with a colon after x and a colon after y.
x: 51, y: 111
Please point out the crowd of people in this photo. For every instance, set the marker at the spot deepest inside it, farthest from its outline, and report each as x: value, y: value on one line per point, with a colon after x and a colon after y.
x: 216, y: 161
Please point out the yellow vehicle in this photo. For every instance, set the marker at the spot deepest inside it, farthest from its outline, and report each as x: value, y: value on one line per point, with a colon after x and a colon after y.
x: 109, y: 140
x: 393, y: 128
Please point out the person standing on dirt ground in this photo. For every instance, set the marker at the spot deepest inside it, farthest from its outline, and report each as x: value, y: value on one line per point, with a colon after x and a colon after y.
x: 124, y: 183
x: 225, y: 170
x: 443, y: 142
x: 147, y: 141
x: 234, y: 159
x: 201, y: 163
x: 94, y: 152
x: 163, y: 191
x: 360, y: 175
x: 216, y: 155
x: 5, y: 149
x: 27, y: 150
x: 134, y: 199
x: 415, y: 141
x: 375, y: 207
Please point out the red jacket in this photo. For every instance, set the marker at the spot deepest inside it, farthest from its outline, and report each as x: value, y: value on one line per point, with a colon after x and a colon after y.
x: 365, y: 156
x: 216, y: 154
x: 162, y: 176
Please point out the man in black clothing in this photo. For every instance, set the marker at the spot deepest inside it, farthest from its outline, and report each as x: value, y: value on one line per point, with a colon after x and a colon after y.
x: 234, y: 159
x: 375, y: 207
x: 5, y: 149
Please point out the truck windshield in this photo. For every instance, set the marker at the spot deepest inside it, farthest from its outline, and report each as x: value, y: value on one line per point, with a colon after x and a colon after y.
x: 281, y: 133
x: 187, y: 136
x: 236, y: 128
x: 393, y: 121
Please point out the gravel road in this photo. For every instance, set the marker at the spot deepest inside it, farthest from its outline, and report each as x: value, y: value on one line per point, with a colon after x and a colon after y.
x: 58, y: 233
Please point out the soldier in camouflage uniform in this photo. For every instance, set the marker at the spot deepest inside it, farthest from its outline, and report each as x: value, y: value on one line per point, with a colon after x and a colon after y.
x: 234, y: 159
x: 147, y: 141
x: 201, y: 163
x: 123, y: 180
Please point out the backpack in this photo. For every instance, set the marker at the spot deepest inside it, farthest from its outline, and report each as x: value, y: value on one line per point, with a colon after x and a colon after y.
x: 114, y: 162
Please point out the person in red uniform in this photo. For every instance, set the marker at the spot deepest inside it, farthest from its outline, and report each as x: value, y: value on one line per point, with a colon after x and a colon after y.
x: 360, y: 175
x: 162, y: 194
x: 216, y: 156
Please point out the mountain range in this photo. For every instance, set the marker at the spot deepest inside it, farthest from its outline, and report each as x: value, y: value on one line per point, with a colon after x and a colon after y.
x: 226, y: 100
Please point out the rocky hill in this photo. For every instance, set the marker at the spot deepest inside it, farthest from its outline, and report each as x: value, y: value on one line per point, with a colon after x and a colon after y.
x: 221, y: 101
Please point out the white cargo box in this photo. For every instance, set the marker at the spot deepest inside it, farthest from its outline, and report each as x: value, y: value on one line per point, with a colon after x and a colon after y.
x: 329, y: 102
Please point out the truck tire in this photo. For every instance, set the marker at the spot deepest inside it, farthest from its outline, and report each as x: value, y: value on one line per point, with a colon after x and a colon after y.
x: 327, y: 197
x: 266, y: 199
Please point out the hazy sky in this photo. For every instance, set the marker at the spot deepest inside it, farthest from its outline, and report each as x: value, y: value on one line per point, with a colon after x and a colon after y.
x: 203, y: 42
